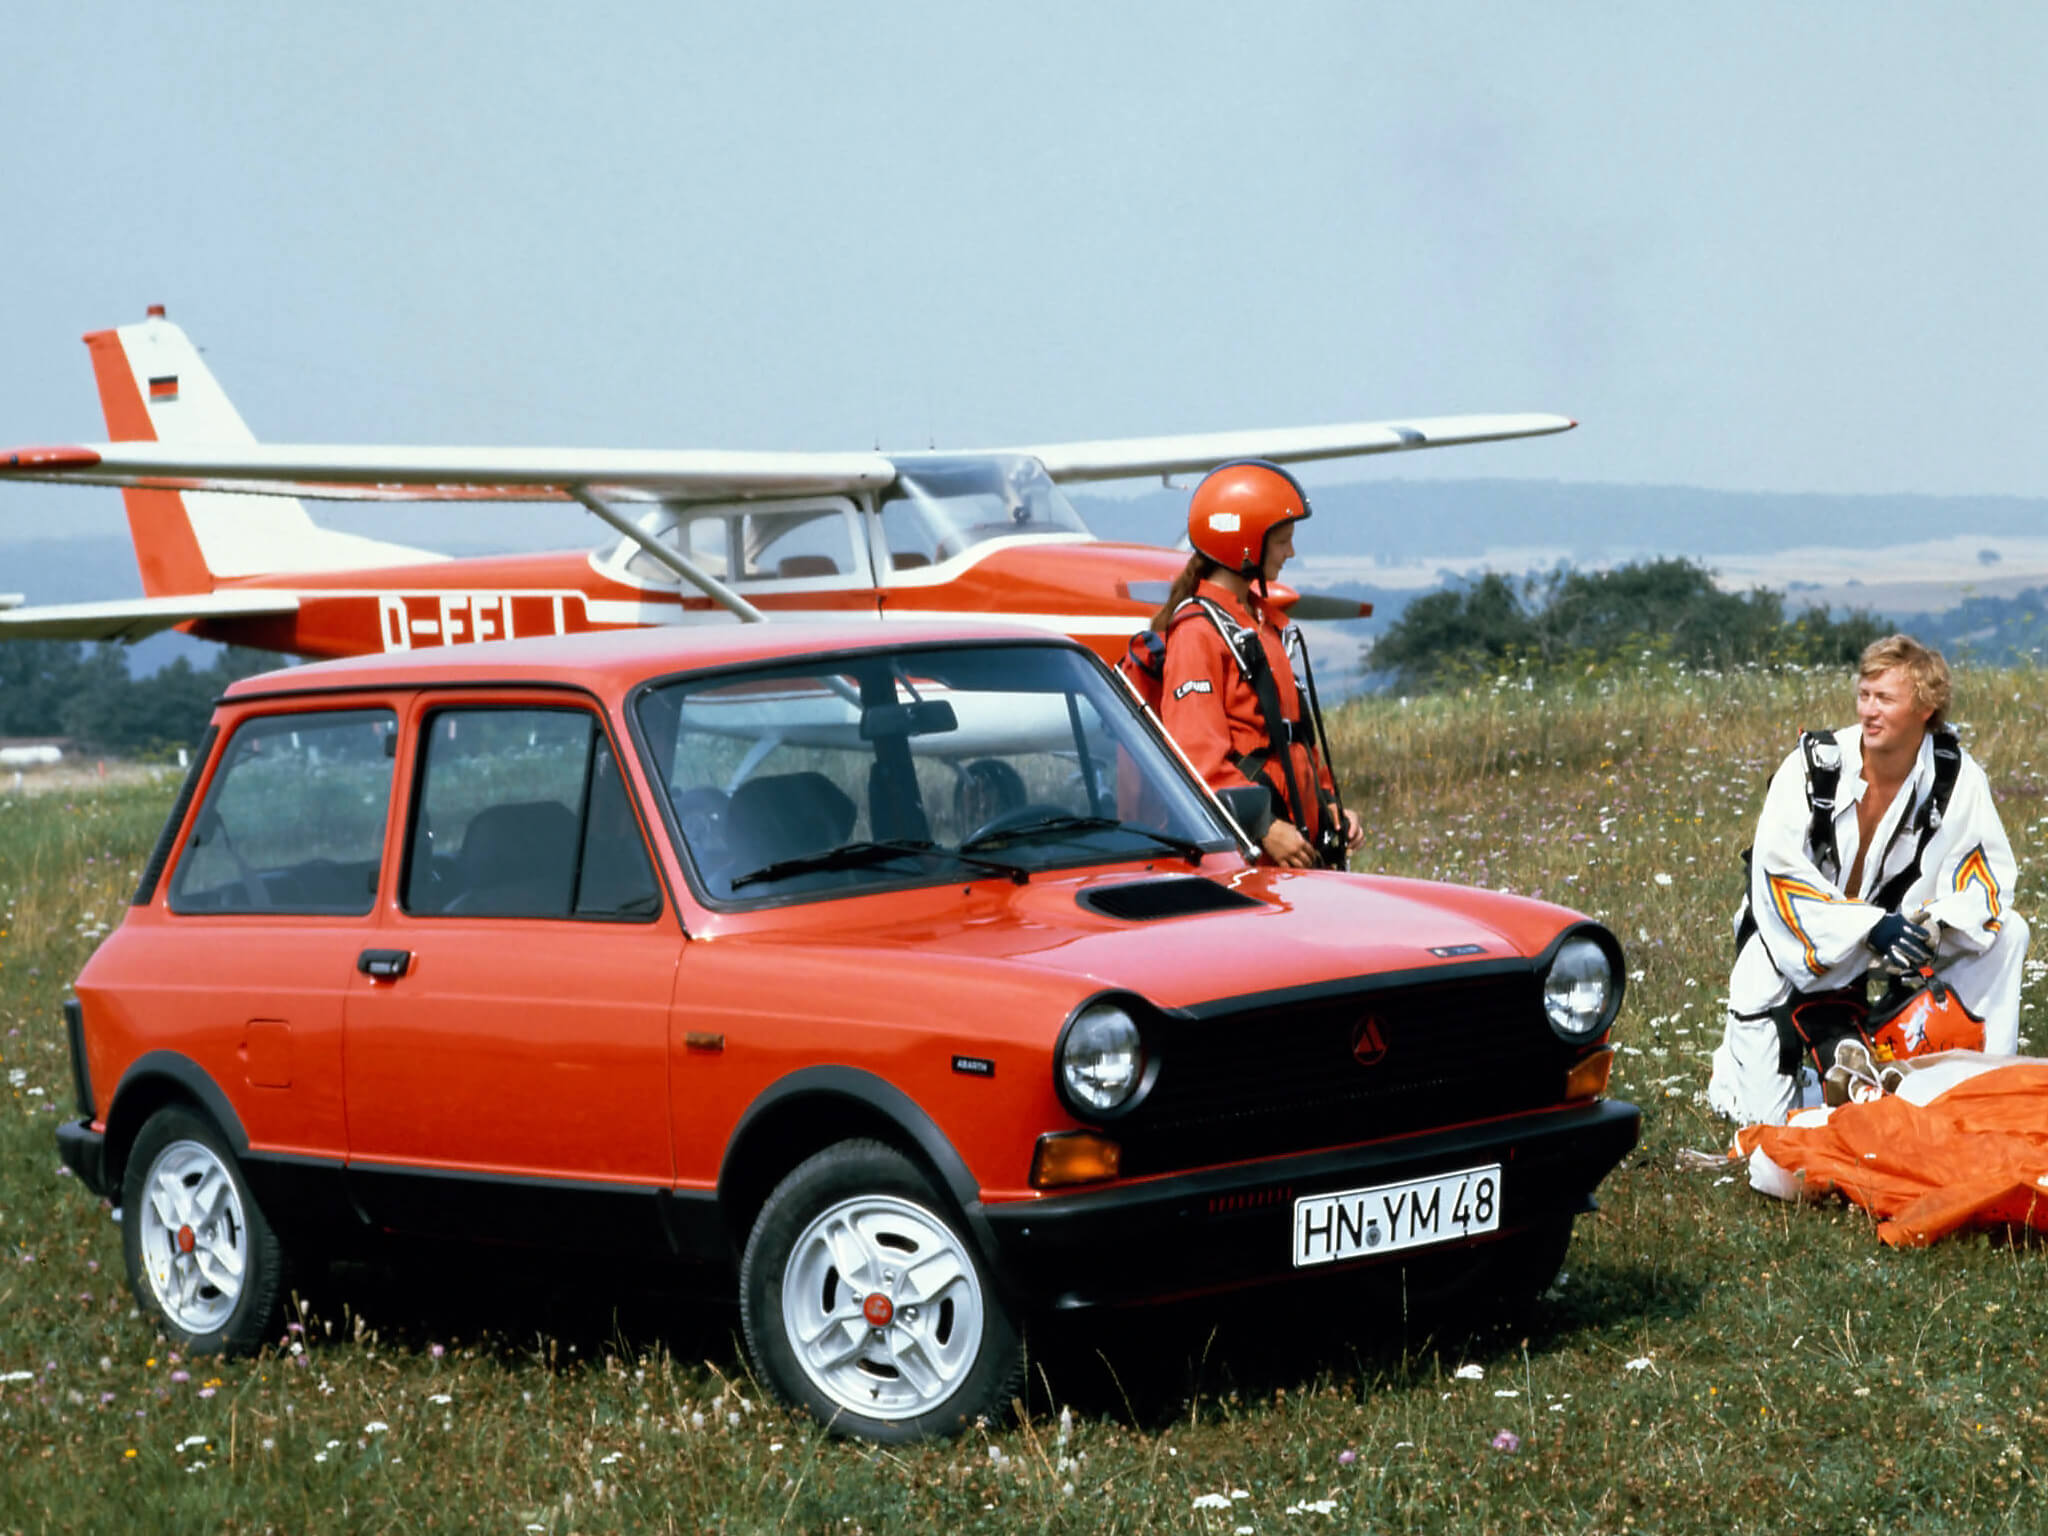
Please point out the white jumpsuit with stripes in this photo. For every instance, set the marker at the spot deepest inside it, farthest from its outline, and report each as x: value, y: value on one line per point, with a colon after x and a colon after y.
x: 1810, y: 931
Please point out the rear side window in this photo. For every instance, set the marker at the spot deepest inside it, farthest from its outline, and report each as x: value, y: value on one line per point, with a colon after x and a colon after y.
x: 522, y: 813
x: 294, y: 817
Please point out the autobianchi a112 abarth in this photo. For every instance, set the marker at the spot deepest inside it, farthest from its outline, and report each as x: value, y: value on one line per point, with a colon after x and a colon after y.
x: 904, y: 972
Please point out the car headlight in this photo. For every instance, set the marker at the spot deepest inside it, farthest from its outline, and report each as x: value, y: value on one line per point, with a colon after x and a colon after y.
x: 1578, y: 989
x: 1101, y: 1060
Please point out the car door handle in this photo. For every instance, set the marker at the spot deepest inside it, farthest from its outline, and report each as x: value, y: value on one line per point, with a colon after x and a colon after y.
x: 384, y: 964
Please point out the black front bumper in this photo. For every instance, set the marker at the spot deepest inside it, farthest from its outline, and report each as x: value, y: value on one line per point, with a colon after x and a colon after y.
x: 1223, y: 1228
x: 84, y: 1152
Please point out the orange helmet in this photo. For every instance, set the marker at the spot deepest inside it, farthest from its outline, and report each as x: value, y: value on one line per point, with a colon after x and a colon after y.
x: 1236, y: 506
x: 1925, y: 1020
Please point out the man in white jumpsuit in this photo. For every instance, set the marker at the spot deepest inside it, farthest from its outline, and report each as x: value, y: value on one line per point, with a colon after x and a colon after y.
x: 1822, y: 915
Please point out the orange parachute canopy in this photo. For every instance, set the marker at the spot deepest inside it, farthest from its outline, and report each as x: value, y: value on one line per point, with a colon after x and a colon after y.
x: 1975, y: 1155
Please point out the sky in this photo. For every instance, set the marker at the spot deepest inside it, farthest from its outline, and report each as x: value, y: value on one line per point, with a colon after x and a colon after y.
x: 1749, y: 247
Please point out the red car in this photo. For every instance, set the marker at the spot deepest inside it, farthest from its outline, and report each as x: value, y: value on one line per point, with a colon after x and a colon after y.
x: 907, y: 975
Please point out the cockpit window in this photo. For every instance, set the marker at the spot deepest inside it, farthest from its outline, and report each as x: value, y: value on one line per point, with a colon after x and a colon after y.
x: 940, y: 507
x: 703, y: 538
x: 810, y: 541
x: 778, y: 542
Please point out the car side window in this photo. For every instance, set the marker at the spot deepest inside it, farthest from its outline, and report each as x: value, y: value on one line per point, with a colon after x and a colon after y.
x: 523, y: 813
x: 294, y: 817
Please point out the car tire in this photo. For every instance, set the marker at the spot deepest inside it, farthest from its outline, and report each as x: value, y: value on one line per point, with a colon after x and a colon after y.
x: 863, y: 1301
x: 201, y: 1257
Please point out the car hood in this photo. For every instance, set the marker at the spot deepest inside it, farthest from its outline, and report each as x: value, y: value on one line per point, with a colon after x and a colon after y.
x: 1295, y: 929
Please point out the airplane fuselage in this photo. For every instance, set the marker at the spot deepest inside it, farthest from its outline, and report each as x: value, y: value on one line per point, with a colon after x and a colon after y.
x: 1100, y: 593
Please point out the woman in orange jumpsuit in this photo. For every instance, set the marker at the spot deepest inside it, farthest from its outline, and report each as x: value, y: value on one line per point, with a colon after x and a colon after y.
x: 1227, y: 645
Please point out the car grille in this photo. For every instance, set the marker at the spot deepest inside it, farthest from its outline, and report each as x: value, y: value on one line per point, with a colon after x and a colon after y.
x: 1266, y: 1081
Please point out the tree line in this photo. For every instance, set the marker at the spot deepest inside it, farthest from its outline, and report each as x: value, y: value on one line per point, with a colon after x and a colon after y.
x: 84, y: 693
x: 1573, y: 619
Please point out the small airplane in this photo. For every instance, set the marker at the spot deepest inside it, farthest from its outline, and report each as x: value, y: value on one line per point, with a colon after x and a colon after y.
x: 228, y: 552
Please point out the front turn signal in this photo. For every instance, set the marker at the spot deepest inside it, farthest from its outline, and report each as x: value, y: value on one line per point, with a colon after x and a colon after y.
x: 1588, y: 1077
x: 1074, y: 1157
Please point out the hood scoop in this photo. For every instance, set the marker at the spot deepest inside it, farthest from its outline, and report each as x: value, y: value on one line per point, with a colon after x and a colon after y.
x: 1143, y: 901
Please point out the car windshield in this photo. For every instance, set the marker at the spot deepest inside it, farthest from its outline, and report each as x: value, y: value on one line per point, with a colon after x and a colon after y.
x: 918, y: 765
x: 940, y: 507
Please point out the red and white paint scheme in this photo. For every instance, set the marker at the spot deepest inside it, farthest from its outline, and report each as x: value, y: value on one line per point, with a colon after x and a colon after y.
x: 228, y: 552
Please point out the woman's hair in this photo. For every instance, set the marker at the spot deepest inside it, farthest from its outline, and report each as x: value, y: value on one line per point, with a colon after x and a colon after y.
x: 1925, y: 666
x: 1199, y: 565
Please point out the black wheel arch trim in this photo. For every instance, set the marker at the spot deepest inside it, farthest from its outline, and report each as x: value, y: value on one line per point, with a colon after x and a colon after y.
x: 878, y: 1095
x: 191, y: 1081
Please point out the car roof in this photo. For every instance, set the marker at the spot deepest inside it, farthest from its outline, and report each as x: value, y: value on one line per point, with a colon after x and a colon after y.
x: 622, y: 657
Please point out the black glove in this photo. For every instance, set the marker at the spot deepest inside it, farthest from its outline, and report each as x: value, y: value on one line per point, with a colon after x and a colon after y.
x: 1901, y: 943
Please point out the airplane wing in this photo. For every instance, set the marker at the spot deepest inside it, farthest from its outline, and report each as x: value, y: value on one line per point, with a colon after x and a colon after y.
x: 1117, y: 458
x: 351, y: 473
x: 135, y: 618
x: 336, y: 472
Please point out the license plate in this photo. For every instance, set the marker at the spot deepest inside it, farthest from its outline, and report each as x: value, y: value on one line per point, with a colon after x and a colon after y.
x: 1357, y: 1223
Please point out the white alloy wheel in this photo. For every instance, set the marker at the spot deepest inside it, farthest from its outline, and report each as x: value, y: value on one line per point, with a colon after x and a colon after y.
x: 882, y: 1307
x: 194, y: 1236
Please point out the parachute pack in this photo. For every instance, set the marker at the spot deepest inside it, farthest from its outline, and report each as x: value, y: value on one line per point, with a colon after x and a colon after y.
x: 1918, y: 1015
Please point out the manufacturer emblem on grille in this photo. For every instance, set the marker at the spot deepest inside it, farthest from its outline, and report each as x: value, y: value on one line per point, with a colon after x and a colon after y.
x: 1368, y: 1045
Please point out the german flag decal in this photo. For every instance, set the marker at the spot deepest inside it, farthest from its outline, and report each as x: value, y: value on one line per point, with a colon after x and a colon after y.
x: 1976, y: 870
x: 163, y: 391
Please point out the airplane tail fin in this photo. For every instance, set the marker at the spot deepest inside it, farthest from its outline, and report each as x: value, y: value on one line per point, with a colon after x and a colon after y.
x: 155, y: 387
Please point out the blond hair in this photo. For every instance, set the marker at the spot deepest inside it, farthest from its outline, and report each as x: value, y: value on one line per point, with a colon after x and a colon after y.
x: 1923, y: 664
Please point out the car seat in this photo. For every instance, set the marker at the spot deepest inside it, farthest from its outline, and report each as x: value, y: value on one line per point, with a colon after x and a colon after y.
x: 785, y: 816
x: 517, y: 860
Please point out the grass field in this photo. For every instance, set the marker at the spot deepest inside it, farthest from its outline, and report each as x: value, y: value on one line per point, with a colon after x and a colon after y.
x: 1712, y: 1361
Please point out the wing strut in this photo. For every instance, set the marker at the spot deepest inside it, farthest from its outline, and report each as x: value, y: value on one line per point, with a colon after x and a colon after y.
x: 672, y: 558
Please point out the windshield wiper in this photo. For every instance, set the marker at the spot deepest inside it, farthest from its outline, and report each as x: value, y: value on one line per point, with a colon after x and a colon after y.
x: 859, y: 855
x: 1053, y: 826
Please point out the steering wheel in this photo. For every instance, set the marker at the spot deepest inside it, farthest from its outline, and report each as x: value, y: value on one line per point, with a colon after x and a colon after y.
x: 1017, y: 817
x: 211, y: 827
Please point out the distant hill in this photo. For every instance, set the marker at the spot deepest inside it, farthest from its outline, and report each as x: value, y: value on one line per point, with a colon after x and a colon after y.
x: 1461, y: 519
x: 1390, y: 520
x: 1396, y: 519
